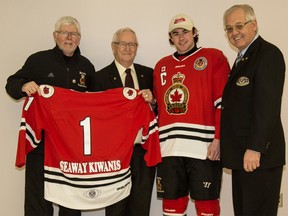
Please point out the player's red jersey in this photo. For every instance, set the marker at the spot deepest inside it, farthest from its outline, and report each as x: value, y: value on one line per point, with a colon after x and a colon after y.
x: 89, y: 141
x: 188, y: 94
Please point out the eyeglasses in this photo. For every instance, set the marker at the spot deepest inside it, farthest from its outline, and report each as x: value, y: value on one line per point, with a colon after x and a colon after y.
x: 124, y: 45
x: 238, y: 27
x: 66, y: 34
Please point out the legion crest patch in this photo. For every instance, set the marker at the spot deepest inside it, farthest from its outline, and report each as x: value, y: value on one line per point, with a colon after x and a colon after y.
x: 200, y: 63
x: 242, y: 81
x: 176, y: 96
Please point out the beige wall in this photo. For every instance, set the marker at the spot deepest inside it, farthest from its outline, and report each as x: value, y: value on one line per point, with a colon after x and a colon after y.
x: 27, y: 26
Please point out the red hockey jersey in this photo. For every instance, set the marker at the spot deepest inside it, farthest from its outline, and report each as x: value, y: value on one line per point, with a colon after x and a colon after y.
x: 89, y: 141
x: 188, y: 94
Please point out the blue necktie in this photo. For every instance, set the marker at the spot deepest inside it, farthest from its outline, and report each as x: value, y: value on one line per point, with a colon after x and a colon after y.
x: 238, y: 59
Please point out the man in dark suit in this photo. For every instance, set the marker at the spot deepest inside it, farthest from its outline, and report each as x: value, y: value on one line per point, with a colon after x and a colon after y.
x: 252, y: 138
x: 124, y: 46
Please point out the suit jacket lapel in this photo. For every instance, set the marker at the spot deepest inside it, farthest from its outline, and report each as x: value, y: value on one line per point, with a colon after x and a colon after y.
x: 235, y: 70
x: 140, y: 77
x: 114, y: 75
x: 115, y: 78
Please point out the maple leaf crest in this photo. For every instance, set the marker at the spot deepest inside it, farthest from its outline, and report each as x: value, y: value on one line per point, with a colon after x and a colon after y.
x: 46, y: 90
x: 176, y: 97
x: 130, y: 92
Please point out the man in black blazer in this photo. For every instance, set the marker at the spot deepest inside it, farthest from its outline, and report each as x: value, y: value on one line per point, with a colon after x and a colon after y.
x: 252, y: 137
x: 124, y: 46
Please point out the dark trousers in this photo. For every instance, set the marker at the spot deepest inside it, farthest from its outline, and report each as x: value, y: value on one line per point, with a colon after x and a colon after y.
x: 256, y: 193
x: 139, y: 201
x: 35, y: 204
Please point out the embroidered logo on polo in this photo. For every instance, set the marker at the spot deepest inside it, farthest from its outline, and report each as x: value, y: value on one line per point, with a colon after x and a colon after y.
x: 242, y: 81
x: 82, y: 79
x: 200, y: 63
x: 176, y: 96
x: 51, y: 75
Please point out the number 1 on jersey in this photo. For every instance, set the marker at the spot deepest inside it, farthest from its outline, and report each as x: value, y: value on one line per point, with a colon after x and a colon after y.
x: 86, y: 135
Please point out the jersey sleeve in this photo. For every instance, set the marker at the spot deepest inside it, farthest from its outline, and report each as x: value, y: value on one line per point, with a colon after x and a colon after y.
x: 221, y: 71
x: 30, y: 134
x: 150, y: 138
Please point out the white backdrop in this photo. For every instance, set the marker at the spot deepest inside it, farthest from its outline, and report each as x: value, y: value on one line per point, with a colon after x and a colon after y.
x: 27, y: 26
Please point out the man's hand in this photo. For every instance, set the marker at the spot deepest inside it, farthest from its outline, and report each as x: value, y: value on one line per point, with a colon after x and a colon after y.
x: 214, y: 150
x: 31, y: 88
x: 251, y: 160
x: 147, y: 95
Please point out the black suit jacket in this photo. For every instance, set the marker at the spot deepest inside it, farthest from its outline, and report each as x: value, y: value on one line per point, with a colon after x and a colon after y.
x: 251, y: 106
x: 108, y: 77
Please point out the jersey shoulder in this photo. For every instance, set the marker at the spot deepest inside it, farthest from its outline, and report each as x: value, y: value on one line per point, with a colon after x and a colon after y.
x: 211, y: 51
